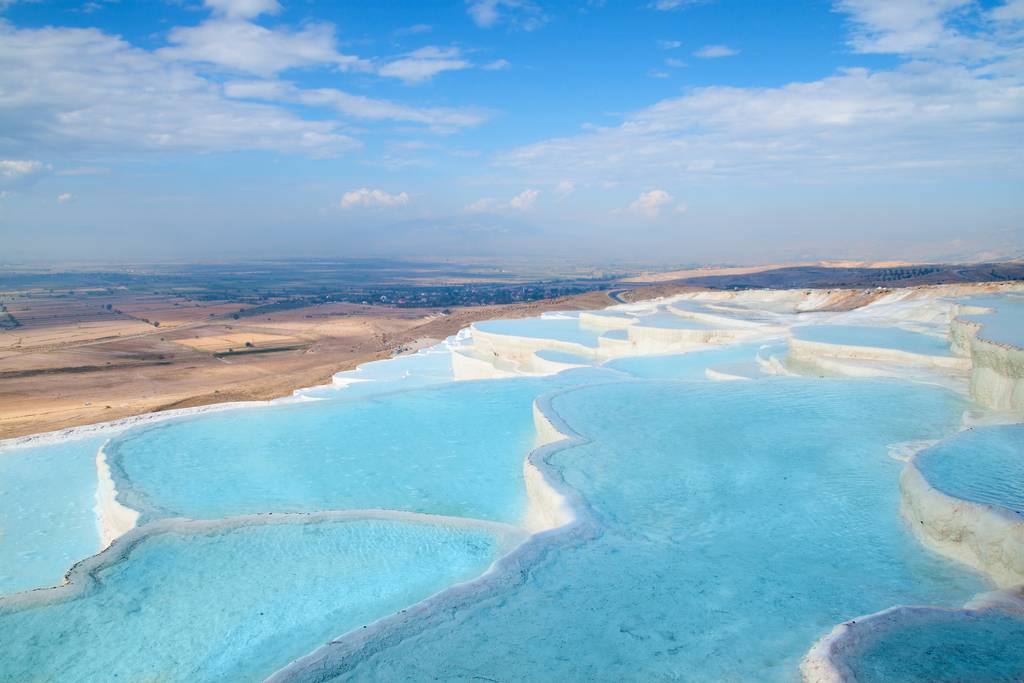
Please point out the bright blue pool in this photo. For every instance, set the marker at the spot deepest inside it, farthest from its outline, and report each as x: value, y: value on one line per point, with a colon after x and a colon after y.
x: 983, y: 464
x: 876, y: 337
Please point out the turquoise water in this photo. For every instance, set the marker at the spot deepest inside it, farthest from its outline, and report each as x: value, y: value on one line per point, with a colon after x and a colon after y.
x: 564, y: 357
x: 457, y: 449
x: 715, y: 548
x: 560, y: 329
x: 236, y: 604
x: 422, y: 369
x: 986, y: 648
x: 983, y: 464
x: 47, y: 522
x: 878, y: 337
x: 684, y: 365
x: 1006, y: 324
x: 671, y: 321
x: 621, y: 335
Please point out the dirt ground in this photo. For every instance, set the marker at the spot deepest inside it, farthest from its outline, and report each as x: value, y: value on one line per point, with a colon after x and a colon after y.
x: 74, y: 361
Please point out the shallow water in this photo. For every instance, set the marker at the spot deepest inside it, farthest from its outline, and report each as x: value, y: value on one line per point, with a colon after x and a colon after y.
x: 988, y: 648
x: 47, y: 522
x: 723, y: 547
x: 428, y: 367
x: 671, y: 321
x: 564, y: 357
x: 684, y: 365
x: 1005, y: 325
x: 235, y: 604
x: 456, y: 449
x: 560, y: 329
x: 983, y: 464
x: 726, y: 525
x: 877, y: 337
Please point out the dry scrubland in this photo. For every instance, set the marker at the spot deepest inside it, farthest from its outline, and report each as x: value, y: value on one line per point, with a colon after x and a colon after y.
x: 78, y: 360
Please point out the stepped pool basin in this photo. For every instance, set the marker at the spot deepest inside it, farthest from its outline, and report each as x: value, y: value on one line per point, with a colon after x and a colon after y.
x: 717, y: 548
x: 684, y: 365
x: 671, y: 321
x: 456, y: 449
x: 565, y: 329
x: 983, y: 465
x: 231, y: 601
x: 1005, y: 324
x: 47, y: 521
x: 894, y: 338
x: 942, y: 646
x: 482, y: 509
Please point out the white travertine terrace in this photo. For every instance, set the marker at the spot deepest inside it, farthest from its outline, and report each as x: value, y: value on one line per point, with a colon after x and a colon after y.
x: 823, y: 663
x: 113, y: 519
x: 997, y: 370
x: 650, y: 340
x: 469, y: 366
x: 987, y: 537
x: 605, y: 322
x: 719, y: 376
x: 813, y: 351
x: 521, y: 350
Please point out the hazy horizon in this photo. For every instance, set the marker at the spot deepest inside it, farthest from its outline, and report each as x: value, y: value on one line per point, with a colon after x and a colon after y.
x: 665, y: 131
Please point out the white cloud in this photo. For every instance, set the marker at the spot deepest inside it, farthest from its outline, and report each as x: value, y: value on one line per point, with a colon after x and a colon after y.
x: 243, y: 9
x: 668, y: 5
x: 64, y: 198
x: 522, y: 14
x: 901, y: 27
x: 929, y: 117
x: 441, y: 119
x: 670, y: 44
x: 674, y: 63
x: 650, y: 204
x: 425, y: 63
x: 372, y: 199
x: 497, y: 65
x: 250, y: 48
x: 84, y: 89
x: 1013, y: 10
x: 16, y: 168
x: 483, y: 205
x: 564, y: 187
x: 413, y: 30
x: 524, y: 201
x: 84, y: 170
x: 715, y: 51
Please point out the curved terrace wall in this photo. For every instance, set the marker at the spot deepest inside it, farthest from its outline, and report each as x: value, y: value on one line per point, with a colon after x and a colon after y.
x: 986, y: 537
x: 997, y: 370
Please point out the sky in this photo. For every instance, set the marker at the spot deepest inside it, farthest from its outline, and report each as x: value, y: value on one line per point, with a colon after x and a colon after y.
x: 662, y: 131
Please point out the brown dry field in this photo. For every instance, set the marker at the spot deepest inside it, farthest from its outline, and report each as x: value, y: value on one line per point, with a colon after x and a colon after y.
x: 73, y: 362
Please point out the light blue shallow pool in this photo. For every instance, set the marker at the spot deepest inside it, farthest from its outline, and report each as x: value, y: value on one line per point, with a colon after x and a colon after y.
x: 560, y: 329
x: 984, y: 464
x: 235, y: 604
x: 1005, y: 325
x: 456, y: 449
x: 684, y: 365
x: 47, y: 522
x: 731, y: 526
x: 671, y: 321
x: 429, y: 367
x: 988, y: 648
x: 876, y: 337
x: 564, y: 357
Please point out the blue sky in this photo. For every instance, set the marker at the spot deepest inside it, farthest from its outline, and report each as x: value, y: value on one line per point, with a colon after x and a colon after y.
x: 660, y: 130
